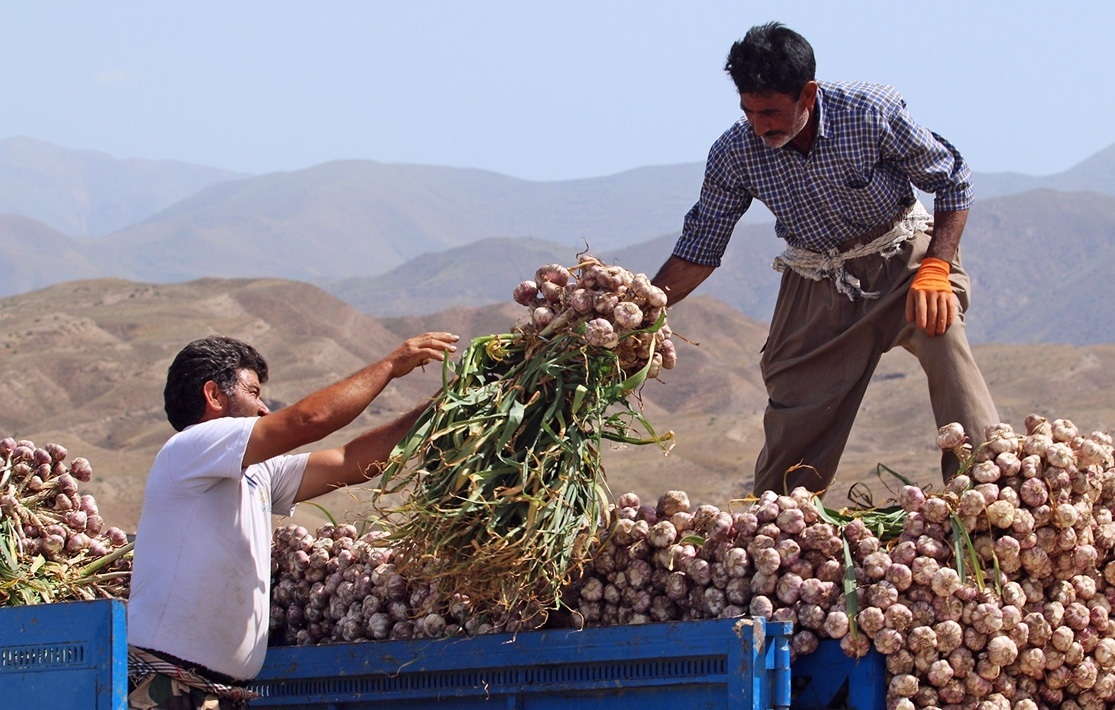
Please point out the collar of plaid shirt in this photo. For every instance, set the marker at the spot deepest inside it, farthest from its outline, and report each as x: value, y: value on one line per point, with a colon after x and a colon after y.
x: 868, y: 156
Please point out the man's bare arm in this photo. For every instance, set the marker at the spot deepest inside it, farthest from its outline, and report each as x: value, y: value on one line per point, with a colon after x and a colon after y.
x: 678, y: 278
x: 327, y: 410
x: 947, y: 229
x: 360, y: 459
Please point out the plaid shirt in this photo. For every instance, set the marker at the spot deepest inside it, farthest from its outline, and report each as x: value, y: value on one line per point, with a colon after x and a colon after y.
x: 867, y: 156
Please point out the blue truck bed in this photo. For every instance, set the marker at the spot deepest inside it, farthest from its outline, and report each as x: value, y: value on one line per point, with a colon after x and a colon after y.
x: 731, y: 664
x: 74, y: 655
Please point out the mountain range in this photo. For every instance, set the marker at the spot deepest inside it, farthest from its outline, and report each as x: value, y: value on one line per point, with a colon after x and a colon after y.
x: 86, y: 193
x: 406, y: 239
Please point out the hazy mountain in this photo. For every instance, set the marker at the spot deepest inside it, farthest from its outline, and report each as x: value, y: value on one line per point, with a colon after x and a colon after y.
x: 85, y: 193
x: 1041, y: 264
x: 486, y: 272
x: 1095, y: 174
x: 405, y: 239
x: 32, y: 254
x: 353, y: 218
x: 1038, y: 262
x: 84, y: 364
x: 480, y: 273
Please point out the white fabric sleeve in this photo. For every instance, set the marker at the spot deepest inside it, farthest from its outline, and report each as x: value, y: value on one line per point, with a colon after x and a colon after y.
x: 286, y: 477
x: 215, y: 449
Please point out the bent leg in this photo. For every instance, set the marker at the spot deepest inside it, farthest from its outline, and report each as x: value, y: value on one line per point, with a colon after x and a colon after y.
x: 957, y: 390
x: 816, y: 366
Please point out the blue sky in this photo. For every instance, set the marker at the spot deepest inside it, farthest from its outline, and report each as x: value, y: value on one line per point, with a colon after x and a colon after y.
x: 537, y: 90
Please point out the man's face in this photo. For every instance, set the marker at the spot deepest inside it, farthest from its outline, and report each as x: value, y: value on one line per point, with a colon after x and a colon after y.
x: 777, y: 118
x: 245, y: 398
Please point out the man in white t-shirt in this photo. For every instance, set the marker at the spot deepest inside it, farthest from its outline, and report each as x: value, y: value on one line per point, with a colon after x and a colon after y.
x: 200, y: 592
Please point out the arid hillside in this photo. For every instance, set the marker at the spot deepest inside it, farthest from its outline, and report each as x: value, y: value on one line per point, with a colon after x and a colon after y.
x: 83, y: 365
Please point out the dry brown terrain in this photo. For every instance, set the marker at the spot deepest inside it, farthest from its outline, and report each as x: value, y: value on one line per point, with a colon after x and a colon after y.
x: 82, y: 364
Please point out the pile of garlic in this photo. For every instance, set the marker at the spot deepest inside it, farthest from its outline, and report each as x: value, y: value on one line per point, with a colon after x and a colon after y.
x: 994, y: 593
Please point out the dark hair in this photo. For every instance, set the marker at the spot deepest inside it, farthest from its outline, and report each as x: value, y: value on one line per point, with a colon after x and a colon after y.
x: 771, y: 58
x: 214, y: 358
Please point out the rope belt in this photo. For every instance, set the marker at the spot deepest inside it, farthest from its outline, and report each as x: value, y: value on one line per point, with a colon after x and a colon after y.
x: 830, y: 265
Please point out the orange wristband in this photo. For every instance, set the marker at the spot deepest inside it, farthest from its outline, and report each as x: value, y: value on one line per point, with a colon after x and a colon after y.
x: 933, y: 275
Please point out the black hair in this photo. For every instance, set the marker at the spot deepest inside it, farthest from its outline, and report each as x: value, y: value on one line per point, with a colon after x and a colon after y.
x: 216, y: 358
x: 771, y: 58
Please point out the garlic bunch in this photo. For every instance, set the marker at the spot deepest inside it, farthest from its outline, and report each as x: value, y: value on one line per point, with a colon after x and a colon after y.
x: 55, y: 534
x: 618, y: 310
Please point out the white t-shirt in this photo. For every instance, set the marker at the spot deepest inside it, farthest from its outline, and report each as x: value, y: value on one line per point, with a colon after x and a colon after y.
x: 201, y: 578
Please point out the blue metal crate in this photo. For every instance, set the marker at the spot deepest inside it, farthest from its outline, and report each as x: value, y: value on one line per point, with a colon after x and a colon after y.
x: 63, y: 656
x: 827, y: 678
x: 730, y: 664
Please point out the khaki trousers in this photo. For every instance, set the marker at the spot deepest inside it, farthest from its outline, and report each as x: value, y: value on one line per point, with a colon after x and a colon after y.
x: 822, y: 351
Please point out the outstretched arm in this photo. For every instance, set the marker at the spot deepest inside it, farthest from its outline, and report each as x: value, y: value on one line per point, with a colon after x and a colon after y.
x: 327, y: 410
x: 678, y: 278
x: 356, y: 461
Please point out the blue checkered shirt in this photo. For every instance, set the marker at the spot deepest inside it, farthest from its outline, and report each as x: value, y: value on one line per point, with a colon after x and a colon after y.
x: 866, y: 158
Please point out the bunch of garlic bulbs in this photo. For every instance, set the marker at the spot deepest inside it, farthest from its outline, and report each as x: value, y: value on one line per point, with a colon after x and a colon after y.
x: 617, y: 309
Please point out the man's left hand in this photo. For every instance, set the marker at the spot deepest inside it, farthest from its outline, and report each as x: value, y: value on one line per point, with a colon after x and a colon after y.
x: 931, y: 304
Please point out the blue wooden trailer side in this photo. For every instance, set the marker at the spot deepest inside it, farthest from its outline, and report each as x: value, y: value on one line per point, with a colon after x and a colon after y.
x: 732, y: 664
x: 64, y: 655
x: 74, y: 655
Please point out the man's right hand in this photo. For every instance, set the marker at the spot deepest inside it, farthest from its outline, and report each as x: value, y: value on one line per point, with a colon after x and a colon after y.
x: 931, y: 304
x: 419, y: 351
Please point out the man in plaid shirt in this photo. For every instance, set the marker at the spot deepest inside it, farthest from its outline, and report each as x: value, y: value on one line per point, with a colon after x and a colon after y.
x: 866, y: 267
